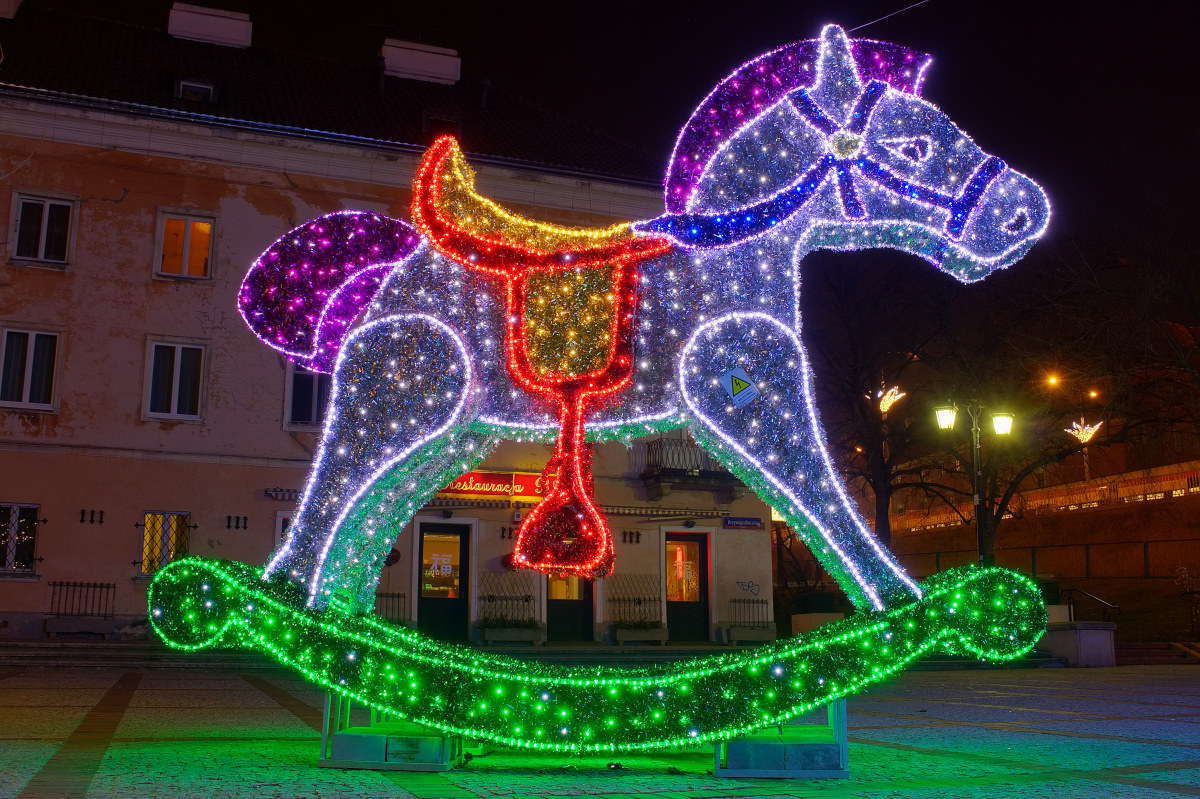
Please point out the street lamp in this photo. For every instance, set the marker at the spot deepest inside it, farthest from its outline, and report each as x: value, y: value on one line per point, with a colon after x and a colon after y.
x: 1001, y: 423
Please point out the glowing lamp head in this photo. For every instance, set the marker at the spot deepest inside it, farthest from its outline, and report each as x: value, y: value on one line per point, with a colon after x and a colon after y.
x: 945, y: 417
x: 1002, y: 423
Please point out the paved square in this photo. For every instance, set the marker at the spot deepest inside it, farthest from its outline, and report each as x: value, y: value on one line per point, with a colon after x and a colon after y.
x: 1062, y: 733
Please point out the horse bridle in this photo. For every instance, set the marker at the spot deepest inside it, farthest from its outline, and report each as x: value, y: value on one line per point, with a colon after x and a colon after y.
x: 845, y: 157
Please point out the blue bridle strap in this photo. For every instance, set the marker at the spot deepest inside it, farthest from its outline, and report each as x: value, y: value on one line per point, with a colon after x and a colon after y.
x: 731, y: 227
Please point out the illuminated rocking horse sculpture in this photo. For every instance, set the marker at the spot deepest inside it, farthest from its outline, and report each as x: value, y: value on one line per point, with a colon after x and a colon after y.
x: 478, y: 316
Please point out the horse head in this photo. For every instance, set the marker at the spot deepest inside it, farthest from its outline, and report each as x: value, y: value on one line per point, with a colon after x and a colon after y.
x: 830, y: 142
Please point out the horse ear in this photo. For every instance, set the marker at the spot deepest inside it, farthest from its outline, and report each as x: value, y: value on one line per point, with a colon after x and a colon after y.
x: 838, y: 82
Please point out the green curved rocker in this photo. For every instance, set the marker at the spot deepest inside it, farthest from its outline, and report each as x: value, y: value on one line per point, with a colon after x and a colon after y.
x: 993, y: 613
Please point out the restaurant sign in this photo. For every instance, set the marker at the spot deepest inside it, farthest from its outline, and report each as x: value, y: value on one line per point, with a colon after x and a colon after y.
x: 524, y: 486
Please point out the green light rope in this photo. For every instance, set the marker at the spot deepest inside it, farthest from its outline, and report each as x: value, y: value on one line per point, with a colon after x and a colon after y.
x: 195, y: 603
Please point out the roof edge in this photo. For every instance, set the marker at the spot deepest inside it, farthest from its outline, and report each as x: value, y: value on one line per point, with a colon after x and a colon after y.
x: 158, y: 112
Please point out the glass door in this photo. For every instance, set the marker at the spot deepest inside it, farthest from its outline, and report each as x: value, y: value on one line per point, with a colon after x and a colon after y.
x: 443, y: 611
x: 569, y: 609
x: 687, y: 587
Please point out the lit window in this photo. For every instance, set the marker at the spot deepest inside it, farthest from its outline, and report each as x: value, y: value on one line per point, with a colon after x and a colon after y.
x: 308, y: 395
x: 175, y: 380
x: 164, y: 539
x: 43, y: 229
x: 18, y: 537
x: 185, y: 246
x: 27, y: 361
x: 683, y: 571
x: 565, y: 587
x: 439, y: 565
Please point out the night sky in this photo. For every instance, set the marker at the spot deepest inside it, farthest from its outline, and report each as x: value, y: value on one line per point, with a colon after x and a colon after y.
x: 1096, y: 101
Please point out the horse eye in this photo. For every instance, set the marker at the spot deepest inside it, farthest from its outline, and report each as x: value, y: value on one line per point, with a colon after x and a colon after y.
x: 915, y: 149
x: 1018, y: 223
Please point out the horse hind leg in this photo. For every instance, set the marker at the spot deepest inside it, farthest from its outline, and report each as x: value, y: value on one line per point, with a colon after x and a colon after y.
x: 780, y: 448
x: 396, y: 432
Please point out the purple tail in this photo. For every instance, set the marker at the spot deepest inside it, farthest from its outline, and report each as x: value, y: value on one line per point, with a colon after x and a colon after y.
x: 301, y: 295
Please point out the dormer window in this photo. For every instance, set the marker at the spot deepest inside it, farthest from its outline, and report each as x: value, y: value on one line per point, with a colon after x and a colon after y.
x: 201, y: 91
x: 440, y: 123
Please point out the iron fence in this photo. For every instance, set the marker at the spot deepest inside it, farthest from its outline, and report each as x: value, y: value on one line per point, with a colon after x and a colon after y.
x: 82, y: 599
x: 506, y: 599
x: 749, y: 613
x: 674, y: 453
x: 391, y: 607
x: 635, y: 601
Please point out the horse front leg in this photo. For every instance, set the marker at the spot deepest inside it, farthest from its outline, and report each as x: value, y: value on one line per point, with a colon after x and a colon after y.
x: 779, y: 448
x: 396, y: 432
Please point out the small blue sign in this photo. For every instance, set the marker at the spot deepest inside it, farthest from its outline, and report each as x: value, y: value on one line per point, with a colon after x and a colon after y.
x: 743, y: 523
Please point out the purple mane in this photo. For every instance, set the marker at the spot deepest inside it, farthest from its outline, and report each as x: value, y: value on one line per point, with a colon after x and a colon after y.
x: 302, y: 295
x: 758, y: 84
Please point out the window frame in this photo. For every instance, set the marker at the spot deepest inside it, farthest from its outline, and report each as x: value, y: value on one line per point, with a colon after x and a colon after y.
x: 6, y: 567
x: 19, y: 196
x: 288, y: 393
x: 32, y: 331
x: 164, y: 548
x: 148, y: 380
x: 188, y: 215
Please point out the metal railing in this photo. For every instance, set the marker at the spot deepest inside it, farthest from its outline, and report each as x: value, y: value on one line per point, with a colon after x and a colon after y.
x: 391, y: 607
x: 506, y: 599
x: 674, y: 453
x: 82, y: 599
x: 1075, y: 496
x: 749, y: 613
x: 635, y: 601
x: 1068, y: 597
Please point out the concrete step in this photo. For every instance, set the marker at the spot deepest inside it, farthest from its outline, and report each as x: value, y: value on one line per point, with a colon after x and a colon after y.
x: 1035, y: 659
x: 34, y: 653
x: 1154, y: 654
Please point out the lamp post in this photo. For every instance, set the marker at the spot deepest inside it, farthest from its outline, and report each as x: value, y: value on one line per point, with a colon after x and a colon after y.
x: 1002, y: 424
x: 1084, y: 432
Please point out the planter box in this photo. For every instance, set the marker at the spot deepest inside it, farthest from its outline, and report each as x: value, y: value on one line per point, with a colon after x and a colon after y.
x: 534, y: 636
x: 807, y: 622
x: 79, y: 624
x: 735, y: 634
x: 1081, y: 643
x: 624, y: 634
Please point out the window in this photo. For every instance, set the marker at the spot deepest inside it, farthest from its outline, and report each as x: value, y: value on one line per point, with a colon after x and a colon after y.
x: 18, y: 537
x: 164, y: 539
x: 27, y: 368
x: 683, y: 571
x: 440, y: 566
x: 185, y: 245
x: 175, y: 378
x: 308, y: 396
x: 43, y: 228
x: 437, y: 123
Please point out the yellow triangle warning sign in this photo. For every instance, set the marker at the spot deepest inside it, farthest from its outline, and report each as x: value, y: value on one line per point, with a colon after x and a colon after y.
x: 739, y: 385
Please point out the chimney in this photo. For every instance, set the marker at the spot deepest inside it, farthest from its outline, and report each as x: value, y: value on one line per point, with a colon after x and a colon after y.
x: 211, y: 25
x: 420, y: 62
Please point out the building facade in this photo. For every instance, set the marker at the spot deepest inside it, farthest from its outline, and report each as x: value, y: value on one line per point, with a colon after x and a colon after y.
x: 141, y: 421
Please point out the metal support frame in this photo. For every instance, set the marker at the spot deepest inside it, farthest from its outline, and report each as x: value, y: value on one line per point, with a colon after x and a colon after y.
x: 835, y: 713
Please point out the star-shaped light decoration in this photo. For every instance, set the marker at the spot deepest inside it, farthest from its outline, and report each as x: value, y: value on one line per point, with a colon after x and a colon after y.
x: 893, y: 395
x: 1082, y: 430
